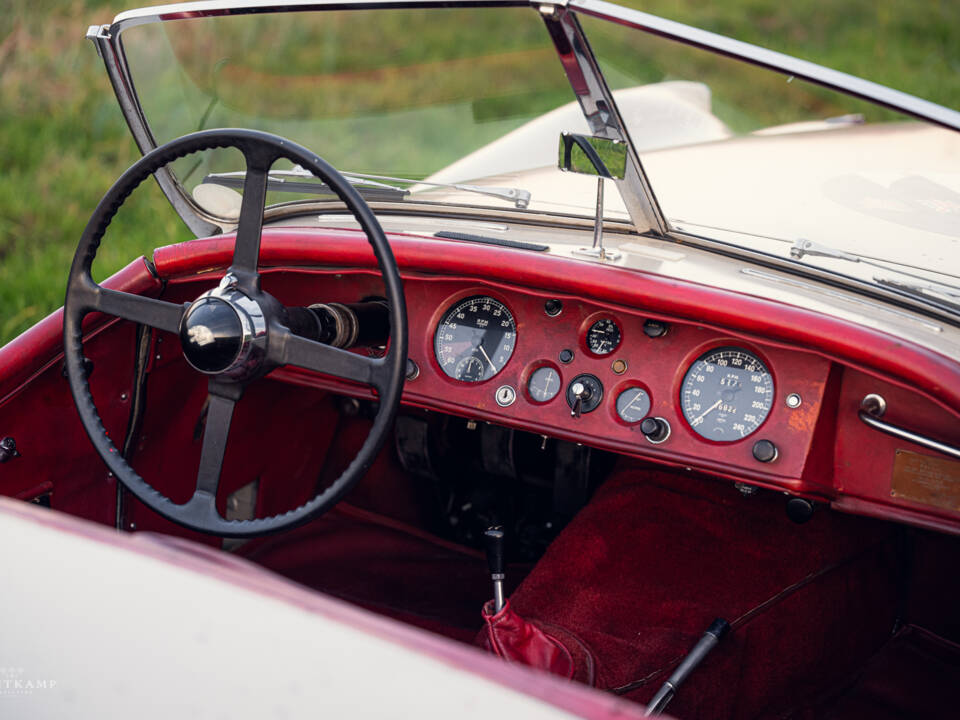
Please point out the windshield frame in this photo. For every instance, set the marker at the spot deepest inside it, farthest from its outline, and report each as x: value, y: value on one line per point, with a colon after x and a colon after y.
x: 587, y: 84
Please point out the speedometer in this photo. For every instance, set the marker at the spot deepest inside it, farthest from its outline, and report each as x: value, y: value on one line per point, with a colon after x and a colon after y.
x: 726, y: 394
x: 475, y: 339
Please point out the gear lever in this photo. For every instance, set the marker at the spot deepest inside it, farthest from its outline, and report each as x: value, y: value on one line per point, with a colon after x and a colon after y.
x: 494, y: 538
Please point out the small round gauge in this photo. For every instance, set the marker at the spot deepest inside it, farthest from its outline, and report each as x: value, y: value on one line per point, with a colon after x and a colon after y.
x: 726, y: 394
x: 544, y: 384
x: 475, y: 339
x: 633, y: 404
x: 603, y: 337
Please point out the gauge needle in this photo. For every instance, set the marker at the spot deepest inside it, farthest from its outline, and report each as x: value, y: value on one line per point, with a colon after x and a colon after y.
x: 709, y: 410
x: 484, y: 352
x: 638, y: 396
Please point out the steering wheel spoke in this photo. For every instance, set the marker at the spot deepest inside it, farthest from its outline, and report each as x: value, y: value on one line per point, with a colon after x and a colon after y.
x: 329, y: 360
x: 220, y: 404
x: 139, y: 309
x: 247, y: 248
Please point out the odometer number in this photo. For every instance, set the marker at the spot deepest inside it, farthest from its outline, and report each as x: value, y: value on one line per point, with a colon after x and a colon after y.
x: 726, y: 394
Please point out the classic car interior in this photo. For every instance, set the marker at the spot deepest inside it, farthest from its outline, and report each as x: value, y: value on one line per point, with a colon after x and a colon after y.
x: 459, y: 407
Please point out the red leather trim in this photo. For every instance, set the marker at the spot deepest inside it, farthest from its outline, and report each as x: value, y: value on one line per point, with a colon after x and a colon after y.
x: 28, y: 355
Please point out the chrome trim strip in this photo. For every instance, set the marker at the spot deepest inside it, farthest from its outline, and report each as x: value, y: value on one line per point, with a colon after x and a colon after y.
x: 212, y: 8
x: 110, y: 49
x: 873, y: 406
x: 603, y: 117
x: 755, y: 55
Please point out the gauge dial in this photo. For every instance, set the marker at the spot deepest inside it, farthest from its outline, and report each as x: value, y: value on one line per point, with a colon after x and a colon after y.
x: 603, y: 337
x: 475, y: 339
x: 544, y: 384
x: 633, y: 404
x: 726, y: 394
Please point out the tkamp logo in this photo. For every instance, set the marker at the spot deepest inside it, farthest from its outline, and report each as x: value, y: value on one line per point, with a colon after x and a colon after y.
x: 16, y: 681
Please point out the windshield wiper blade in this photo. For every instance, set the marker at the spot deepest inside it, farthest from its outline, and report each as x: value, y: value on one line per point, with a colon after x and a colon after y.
x: 918, y: 286
x: 369, y: 185
x: 928, y: 290
x: 298, y: 182
x: 519, y: 197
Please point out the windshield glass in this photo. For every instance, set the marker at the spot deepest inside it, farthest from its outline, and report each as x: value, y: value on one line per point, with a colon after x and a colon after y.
x: 398, y: 93
x: 478, y: 96
x: 744, y: 154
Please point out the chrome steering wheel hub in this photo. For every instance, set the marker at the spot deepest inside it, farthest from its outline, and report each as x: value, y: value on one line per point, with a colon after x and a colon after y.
x: 224, y: 332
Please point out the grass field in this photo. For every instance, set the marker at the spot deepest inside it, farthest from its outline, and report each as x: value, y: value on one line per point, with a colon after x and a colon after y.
x: 63, y: 140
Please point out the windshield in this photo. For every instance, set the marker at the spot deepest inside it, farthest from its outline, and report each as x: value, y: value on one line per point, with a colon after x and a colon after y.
x: 392, y: 93
x: 478, y: 96
x: 748, y: 155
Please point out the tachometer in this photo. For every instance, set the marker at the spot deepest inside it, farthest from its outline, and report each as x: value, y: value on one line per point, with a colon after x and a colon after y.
x: 475, y: 339
x: 726, y: 394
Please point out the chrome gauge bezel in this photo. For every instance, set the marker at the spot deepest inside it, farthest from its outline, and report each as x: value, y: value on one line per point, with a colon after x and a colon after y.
x: 753, y: 418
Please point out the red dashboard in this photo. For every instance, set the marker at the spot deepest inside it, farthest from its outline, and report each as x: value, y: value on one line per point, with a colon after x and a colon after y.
x: 823, y: 451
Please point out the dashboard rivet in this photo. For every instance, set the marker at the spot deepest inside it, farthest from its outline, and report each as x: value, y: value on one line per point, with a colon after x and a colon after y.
x: 505, y: 395
x: 793, y: 401
x: 619, y: 367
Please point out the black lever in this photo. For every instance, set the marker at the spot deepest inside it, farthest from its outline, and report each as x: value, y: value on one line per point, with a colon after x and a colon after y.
x: 494, y: 538
x: 718, y: 628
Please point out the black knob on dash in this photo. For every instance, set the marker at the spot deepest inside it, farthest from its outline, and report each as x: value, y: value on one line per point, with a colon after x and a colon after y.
x: 655, y: 429
x: 765, y: 451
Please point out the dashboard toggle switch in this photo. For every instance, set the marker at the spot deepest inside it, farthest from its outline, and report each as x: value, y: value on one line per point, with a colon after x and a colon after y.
x: 584, y: 394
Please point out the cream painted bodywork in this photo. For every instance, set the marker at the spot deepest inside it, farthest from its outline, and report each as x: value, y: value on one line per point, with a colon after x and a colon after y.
x: 99, y: 624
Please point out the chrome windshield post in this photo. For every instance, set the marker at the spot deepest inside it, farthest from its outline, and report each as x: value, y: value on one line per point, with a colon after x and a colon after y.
x: 602, y: 114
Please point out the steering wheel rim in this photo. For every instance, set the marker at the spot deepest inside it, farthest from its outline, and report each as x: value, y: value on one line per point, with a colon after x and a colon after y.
x: 277, y: 346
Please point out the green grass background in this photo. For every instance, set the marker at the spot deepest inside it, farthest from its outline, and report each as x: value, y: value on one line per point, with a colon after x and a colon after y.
x: 63, y: 140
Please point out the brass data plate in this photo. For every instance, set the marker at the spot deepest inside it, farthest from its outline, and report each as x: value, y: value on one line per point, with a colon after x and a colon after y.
x: 928, y: 480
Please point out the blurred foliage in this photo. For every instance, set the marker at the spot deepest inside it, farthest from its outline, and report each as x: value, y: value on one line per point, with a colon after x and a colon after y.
x: 63, y: 140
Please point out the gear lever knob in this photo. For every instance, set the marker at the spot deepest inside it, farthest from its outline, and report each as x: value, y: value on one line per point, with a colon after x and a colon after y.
x: 494, y: 539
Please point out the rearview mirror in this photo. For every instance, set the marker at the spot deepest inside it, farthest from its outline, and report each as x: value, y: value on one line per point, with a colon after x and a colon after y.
x: 595, y: 156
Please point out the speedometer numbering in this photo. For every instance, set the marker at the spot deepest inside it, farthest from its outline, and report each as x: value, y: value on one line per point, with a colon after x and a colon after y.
x: 475, y: 339
x: 726, y: 394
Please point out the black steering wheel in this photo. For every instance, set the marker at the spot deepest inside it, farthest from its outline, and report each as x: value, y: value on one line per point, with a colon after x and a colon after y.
x: 235, y: 333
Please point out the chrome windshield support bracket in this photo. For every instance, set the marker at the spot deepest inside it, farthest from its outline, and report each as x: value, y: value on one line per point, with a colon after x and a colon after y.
x: 110, y: 49
x: 602, y: 114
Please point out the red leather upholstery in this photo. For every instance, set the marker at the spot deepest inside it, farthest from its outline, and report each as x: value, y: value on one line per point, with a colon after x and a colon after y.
x: 516, y: 639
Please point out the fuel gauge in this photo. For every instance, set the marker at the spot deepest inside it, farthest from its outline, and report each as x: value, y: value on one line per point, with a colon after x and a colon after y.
x: 544, y: 384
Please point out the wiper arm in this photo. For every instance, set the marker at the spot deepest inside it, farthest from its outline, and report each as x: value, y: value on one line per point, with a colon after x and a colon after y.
x: 294, y: 181
x: 919, y: 286
x: 809, y: 247
x: 299, y: 180
x: 519, y: 197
